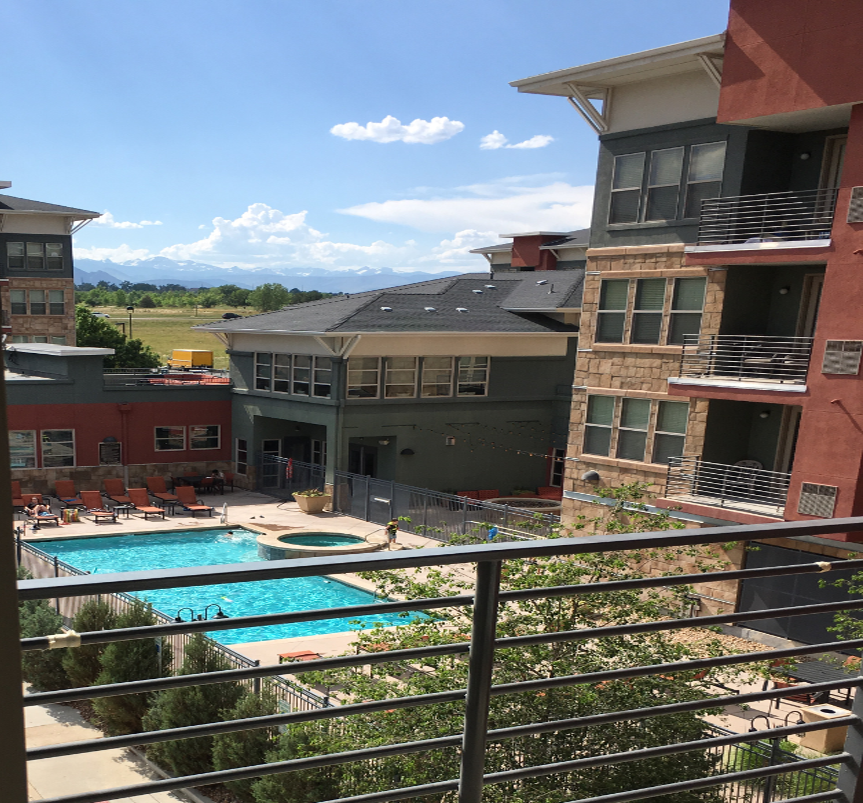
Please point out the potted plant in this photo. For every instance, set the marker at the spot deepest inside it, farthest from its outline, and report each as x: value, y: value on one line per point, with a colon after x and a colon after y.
x: 312, y: 500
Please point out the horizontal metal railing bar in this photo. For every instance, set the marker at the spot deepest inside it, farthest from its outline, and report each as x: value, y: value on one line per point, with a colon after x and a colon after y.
x: 677, y: 624
x: 233, y: 725
x: 49, y: 588
x: 262, y: 620
x: 784, y: 214
x: 714, y: 780
x: 831, y: 794
x: 661, y: 751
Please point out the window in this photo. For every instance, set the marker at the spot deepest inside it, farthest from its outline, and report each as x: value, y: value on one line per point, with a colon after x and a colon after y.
x: 56, y: 302
x: 647, y: 312
x: 54, y: 256
x: 37, y: 302
x: 20, y: 339
x: 400, y: 380
x: 686, y: 306
x: 59, y: 341
x: 319, y: 452
x: 558, y: 467
x: 632, y: 434
x: 597, y: 430
x: 241, y: 457
x: 626, y: 188
x: 15, y: 256
x: 323, y: 378
x: 205, y: 437
x: 58, y: 448
x: 18, y: 301
x: 40, y: 339
x: 364, y: 377
x: 22, y: 448
x: 302, y: 375
x: 706, y: 164
x: 437, y: 376
x: 663, y: 184
x: 472, y: 376
x: 281, y: 373
x: 35, y: 256
x: 170, y: 439
x: 670, y: 433
x: 263, y: 371
x: 610, y: 323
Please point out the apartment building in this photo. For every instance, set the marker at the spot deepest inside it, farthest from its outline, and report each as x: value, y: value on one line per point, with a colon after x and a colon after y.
x: 37, y: 289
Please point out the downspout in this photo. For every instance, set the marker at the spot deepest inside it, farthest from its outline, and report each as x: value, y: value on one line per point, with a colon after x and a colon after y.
x: 125, y: 409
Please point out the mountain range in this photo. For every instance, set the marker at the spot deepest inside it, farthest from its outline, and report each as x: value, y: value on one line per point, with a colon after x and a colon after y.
x: 161, y: 270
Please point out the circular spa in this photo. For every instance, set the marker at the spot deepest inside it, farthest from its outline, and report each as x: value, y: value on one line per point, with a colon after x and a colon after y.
x: 306, y: 544
x: 532, y: 503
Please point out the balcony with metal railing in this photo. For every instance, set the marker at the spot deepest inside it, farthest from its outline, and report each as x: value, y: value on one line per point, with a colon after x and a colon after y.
x: 792, y: 219
x: 774, y: 363
x: 163, y: 378
x: 495, y: 759
x: 735, y: 487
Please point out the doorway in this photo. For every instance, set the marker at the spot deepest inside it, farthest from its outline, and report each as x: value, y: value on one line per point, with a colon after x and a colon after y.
x: 362, y: 459
x: 813, y: 285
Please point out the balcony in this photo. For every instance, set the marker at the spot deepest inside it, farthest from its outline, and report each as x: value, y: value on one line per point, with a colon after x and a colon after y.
x: 769, y: 220
x: 732, y: 487
x: 495, y: 757
x: 159, y: 377
x: 775, y: 363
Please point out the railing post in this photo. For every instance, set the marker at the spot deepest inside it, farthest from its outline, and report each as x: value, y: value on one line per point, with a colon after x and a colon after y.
x: 770, y: 780
x: 464, y: 516
x: 850, y: 774
x: 256, y: 682
x: 57, y: 574
x: 479, y: 681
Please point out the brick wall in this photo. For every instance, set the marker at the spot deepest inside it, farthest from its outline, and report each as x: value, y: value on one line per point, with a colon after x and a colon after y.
x: 49, y: 326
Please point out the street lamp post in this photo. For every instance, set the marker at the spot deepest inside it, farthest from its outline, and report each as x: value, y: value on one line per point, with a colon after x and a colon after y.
x: 130, y: 310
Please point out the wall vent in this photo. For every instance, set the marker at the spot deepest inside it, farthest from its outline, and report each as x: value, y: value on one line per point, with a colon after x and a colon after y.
x: 817, y: 500
x: 855, y: 208
x: 842, y: 357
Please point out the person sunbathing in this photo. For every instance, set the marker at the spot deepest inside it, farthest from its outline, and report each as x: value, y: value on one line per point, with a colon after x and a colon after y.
x: 36, y: 508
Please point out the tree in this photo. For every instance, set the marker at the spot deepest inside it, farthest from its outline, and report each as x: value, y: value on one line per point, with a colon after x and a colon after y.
x: 192, y: 705
x: 83, y: 664
x: 42, y: 668
x: 123, y: 661
x: 268, y: 297
x: 146, y: 302
x: 249, y: 747
x: 99, y: 333
x: 577, y: 612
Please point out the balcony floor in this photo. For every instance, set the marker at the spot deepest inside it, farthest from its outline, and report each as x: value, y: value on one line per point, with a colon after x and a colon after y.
x: 723, y: 504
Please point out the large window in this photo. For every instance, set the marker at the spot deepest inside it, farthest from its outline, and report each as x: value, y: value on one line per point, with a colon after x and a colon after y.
x: 322, y: 381
x: 263, y: 371
x: 299, y: 374
x: 706, y: 163
x: 473, y: 376
x: 671, y: 419
x: 22, y: 448
x: 437, y: 376
x: 632, y: 434
x: 687, y: 304
x: 205, y: 437
x: 58, y: 448
x: 302, y: 375
x: 34, y: 256
x: 282, y: 373
x: 611, y: 318
x: 663, y: 184
x: 241, y: 456
x: 597, y: 429
x: 37, y: 302
x: 647, y: 312
x: 170, y: 439
x: 56, y: 302
x: 18, y: 301
x: 364, y: 377
x: 626, y: 188
x: 400, y: 379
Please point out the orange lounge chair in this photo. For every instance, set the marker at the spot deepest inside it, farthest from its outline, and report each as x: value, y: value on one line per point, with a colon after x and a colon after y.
x: 156, y: 486
x: 42, y: 517
x: 95, y: 506
x: 17, y: 496
x: 300, y: 655
x: 186, y: 495
x: 116, y: 492
x: 66, y: 493
x: 141, y: 501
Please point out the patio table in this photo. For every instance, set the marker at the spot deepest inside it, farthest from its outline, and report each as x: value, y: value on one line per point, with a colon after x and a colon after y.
x: 820, y: 672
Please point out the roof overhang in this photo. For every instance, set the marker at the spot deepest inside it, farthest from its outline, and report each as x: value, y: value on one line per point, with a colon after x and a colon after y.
x: 492, y: 249
x: 53, y: 350
x: 77, y: 214
x: 401, y: 333
x: 535, y: 234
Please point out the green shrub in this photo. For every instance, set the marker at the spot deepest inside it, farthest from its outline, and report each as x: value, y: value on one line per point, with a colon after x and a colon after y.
x: 83, y: 664
x: 42, y: 668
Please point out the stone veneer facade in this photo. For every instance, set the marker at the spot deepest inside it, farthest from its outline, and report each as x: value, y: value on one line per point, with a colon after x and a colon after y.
x: 48, y: 326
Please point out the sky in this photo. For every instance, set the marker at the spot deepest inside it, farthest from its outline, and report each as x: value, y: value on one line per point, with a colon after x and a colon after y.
x: 333, y: 134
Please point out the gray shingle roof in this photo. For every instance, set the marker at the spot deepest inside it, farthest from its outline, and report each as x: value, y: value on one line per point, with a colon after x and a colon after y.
x: 573, y: 238
x: 492, y: 249
x: 486, y: 303
x: 9, y: 203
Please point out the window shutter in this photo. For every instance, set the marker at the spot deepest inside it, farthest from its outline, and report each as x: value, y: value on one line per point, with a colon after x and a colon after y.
x: 689, y: 294
x: 842, y: 357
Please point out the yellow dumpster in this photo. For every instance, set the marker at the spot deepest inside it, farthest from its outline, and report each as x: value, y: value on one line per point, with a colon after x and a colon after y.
x: 191, y: 358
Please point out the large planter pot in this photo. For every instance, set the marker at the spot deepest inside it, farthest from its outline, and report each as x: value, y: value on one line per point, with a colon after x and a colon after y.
x: 313, y: 504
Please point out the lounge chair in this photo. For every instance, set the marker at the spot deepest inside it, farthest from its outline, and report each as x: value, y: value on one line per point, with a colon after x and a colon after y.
x: 66, y: 493
x: 141, y: 501
x: 17, y: 496
x: 188, y: 499
x: 42, y: 517
x: 115, y: 490
x: 94, y: 505
x: 156, y: 486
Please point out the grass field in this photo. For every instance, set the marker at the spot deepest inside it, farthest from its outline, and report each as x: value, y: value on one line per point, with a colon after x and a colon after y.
x: 166, y: 329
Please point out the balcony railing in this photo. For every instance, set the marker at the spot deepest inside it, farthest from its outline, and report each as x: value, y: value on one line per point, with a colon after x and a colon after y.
x: 767, y: 219
x: 476, y: 742
x: 746, y: 358
x: 159, y: 377
x: 736, y: 487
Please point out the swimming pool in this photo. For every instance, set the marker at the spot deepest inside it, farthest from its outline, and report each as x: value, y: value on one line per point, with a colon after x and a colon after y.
x: 125, y: 553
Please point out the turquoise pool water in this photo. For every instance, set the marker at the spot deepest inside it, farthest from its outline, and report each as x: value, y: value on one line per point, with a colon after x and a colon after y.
x: 322, y: 539
x: 210, y: 547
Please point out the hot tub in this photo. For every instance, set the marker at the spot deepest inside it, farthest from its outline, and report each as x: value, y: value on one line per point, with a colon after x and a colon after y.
x: 311, y: 544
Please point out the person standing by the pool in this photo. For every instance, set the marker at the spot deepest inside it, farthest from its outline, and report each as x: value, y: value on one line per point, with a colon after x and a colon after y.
x: 392, y: 532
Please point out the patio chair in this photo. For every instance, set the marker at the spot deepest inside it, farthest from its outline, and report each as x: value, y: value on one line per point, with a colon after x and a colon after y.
x: 141, y: 501
x: 188, y: 499
x: 156, y: 486
x: 115, y: 490
x: 42, y: 517
x: 66, y: 493
x: 229, y: 480
x: 94, y: 505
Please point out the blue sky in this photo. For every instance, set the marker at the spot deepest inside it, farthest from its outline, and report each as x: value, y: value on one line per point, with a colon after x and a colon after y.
x: 236, y: 133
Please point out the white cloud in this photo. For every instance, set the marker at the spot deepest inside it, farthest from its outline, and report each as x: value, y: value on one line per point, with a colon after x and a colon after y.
x: 122, y: 253
x: 391, y: 129
x: 506, y: 206
x: 496, y: 140
x: 457, y: 250
x: 111, y: 222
